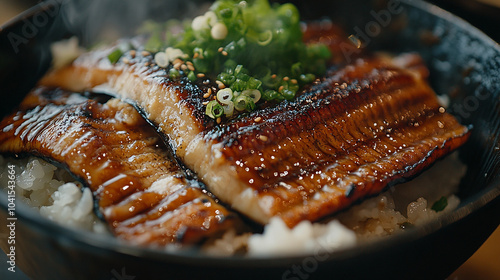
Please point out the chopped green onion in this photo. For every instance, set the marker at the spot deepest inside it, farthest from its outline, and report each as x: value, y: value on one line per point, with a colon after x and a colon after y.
x: 226, y: 78
x: 440, y: 205
x: 228, y: 109
x: 225, y: 95
x: 219, y: 31
x: 238, y: 85
x: 296, y: 69
x: 230, y: 64
x: 272, y: 95
x: 307, y: 78
x: 161, y: 59
x: 252, y: 93
x: 211, y: 18
x: 214, y: 109
x: 289, y: 13
x: 268, y: 37
x: 199, y: 23
x: 154, y: 43
x: 219, y: 44
x: 237, y: 69
x: 191, y: 76
x: 253, y: 83
x: 174, y: 73
x: 115, y: 55
x: 244, y: 103
x: 173, y: 53
x: 288, y: 94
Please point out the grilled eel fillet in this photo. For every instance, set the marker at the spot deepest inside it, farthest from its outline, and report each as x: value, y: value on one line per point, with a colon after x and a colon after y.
x: 141, y: 191
x: 365, y: 125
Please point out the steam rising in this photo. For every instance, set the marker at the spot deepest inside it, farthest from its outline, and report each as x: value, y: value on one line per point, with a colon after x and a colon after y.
x: 96, y: 20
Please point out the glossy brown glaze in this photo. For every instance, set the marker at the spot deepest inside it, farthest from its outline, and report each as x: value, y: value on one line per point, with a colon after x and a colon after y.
x: 363, y: 127
x: 140, y: 189
x: 367, y: 124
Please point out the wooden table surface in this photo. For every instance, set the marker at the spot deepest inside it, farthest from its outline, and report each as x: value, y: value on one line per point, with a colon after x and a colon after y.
x: 483, y: 265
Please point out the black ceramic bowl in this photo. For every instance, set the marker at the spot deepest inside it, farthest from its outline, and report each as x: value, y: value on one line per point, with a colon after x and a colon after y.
x: 464, y: 64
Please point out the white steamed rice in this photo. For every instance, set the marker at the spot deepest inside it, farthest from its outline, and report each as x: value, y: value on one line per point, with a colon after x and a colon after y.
x: 386, y: 214
x: 53, y: 192
x: 58, y: 197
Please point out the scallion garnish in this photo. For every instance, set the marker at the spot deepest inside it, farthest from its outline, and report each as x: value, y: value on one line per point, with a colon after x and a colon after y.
x: 228, y: 109
x: 440, y: 205
x: 214, y: 109
x: 115, y: 55
x: 252, y: 93
x: 191, y: 76
x: 244, y: 103
x: 225, y: 96
x: 174, y: 73
x: 251, y: 47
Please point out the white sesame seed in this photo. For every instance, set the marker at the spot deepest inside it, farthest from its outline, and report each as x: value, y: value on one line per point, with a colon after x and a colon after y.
x: 220, y: 84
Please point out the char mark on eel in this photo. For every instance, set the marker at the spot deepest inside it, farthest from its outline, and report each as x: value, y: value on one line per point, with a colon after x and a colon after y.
x: 140, y: 190
x: 349, y: 135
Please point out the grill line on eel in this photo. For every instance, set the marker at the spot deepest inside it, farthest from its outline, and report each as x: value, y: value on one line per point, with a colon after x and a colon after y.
x: 366, y: 125
x: 140, y: 189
